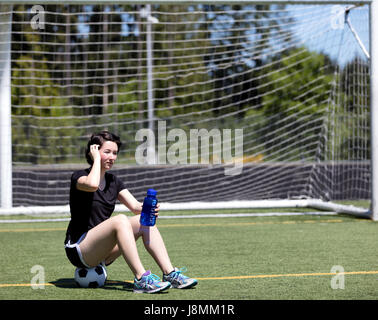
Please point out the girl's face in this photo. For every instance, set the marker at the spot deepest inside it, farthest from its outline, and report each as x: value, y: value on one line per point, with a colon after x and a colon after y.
x: 108, y: 152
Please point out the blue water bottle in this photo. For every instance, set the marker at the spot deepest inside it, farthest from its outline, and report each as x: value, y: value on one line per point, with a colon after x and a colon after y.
x: 147, y: 217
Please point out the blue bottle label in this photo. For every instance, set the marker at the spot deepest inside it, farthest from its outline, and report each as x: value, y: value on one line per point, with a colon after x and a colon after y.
x: 148, y: 217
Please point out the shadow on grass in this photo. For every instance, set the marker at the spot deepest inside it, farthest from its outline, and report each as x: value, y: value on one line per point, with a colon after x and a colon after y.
x: 69, y: 283
x: 109, y: 284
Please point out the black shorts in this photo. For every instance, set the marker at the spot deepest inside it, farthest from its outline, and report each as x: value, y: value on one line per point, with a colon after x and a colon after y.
x: 74, y: 254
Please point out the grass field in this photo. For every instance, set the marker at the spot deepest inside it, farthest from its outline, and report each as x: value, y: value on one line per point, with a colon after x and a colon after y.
x: 234, y: 258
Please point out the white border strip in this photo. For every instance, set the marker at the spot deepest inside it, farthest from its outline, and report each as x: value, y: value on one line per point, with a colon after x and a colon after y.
x: 195, y: 216
x: 34, y: 220
x: 238, y: 204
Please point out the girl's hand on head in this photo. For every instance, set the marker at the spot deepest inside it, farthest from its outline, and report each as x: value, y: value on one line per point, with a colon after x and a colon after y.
x: 94, y: 151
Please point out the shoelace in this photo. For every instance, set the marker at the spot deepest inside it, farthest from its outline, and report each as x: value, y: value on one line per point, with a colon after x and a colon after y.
x: 151, y: 278
x: 177, y: 274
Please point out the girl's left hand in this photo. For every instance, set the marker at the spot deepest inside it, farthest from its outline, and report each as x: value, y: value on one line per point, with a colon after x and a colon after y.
x: 157, y: 209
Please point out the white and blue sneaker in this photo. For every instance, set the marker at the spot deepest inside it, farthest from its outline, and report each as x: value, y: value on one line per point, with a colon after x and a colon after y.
x: 150, y: 283
x: 178, y: 280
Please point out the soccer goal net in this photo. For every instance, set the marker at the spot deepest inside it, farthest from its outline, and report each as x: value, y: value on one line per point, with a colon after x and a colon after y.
x: 217, y: 105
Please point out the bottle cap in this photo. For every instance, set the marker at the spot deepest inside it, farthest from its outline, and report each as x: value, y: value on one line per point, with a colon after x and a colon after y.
x: 151, y: 192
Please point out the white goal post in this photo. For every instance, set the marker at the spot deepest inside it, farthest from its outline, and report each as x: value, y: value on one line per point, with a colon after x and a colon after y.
x: 220, y: 104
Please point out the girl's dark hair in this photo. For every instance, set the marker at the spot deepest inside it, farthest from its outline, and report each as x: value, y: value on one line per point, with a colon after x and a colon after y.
x: 100, y: 138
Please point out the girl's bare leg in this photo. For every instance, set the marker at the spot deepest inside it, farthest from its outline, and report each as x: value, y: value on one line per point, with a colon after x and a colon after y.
x: 153, y: 242
x: 110, y: 238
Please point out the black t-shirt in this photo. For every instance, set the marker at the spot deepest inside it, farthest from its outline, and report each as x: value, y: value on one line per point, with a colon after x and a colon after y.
x: 88, y: 209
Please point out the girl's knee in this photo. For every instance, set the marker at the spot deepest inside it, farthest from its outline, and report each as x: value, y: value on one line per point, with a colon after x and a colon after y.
x: 121, y: 221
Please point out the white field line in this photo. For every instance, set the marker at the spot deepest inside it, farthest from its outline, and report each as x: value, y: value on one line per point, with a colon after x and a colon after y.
x: 191, y: 216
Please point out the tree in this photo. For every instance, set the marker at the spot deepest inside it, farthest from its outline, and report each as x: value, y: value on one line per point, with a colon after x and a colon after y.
x: 241, y: 38
x: 297, y: 91
x: 41, y: 115
x: 353, y: 115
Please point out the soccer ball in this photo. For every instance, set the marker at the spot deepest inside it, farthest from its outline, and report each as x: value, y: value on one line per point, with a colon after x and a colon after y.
x: 91, y: 277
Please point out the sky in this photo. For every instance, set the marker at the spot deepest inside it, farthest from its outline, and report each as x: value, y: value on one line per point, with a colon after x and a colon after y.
x: 322, y: 29
x: 334, y: 36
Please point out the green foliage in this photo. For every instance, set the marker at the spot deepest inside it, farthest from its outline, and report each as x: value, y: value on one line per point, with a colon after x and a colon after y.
x: 298, y: 86
x: 41, y: 113
x: 352, y: 117
x: 98, y: 79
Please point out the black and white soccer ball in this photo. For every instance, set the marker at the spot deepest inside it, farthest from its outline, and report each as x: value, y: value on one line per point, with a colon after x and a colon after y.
x: 91, y: 277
